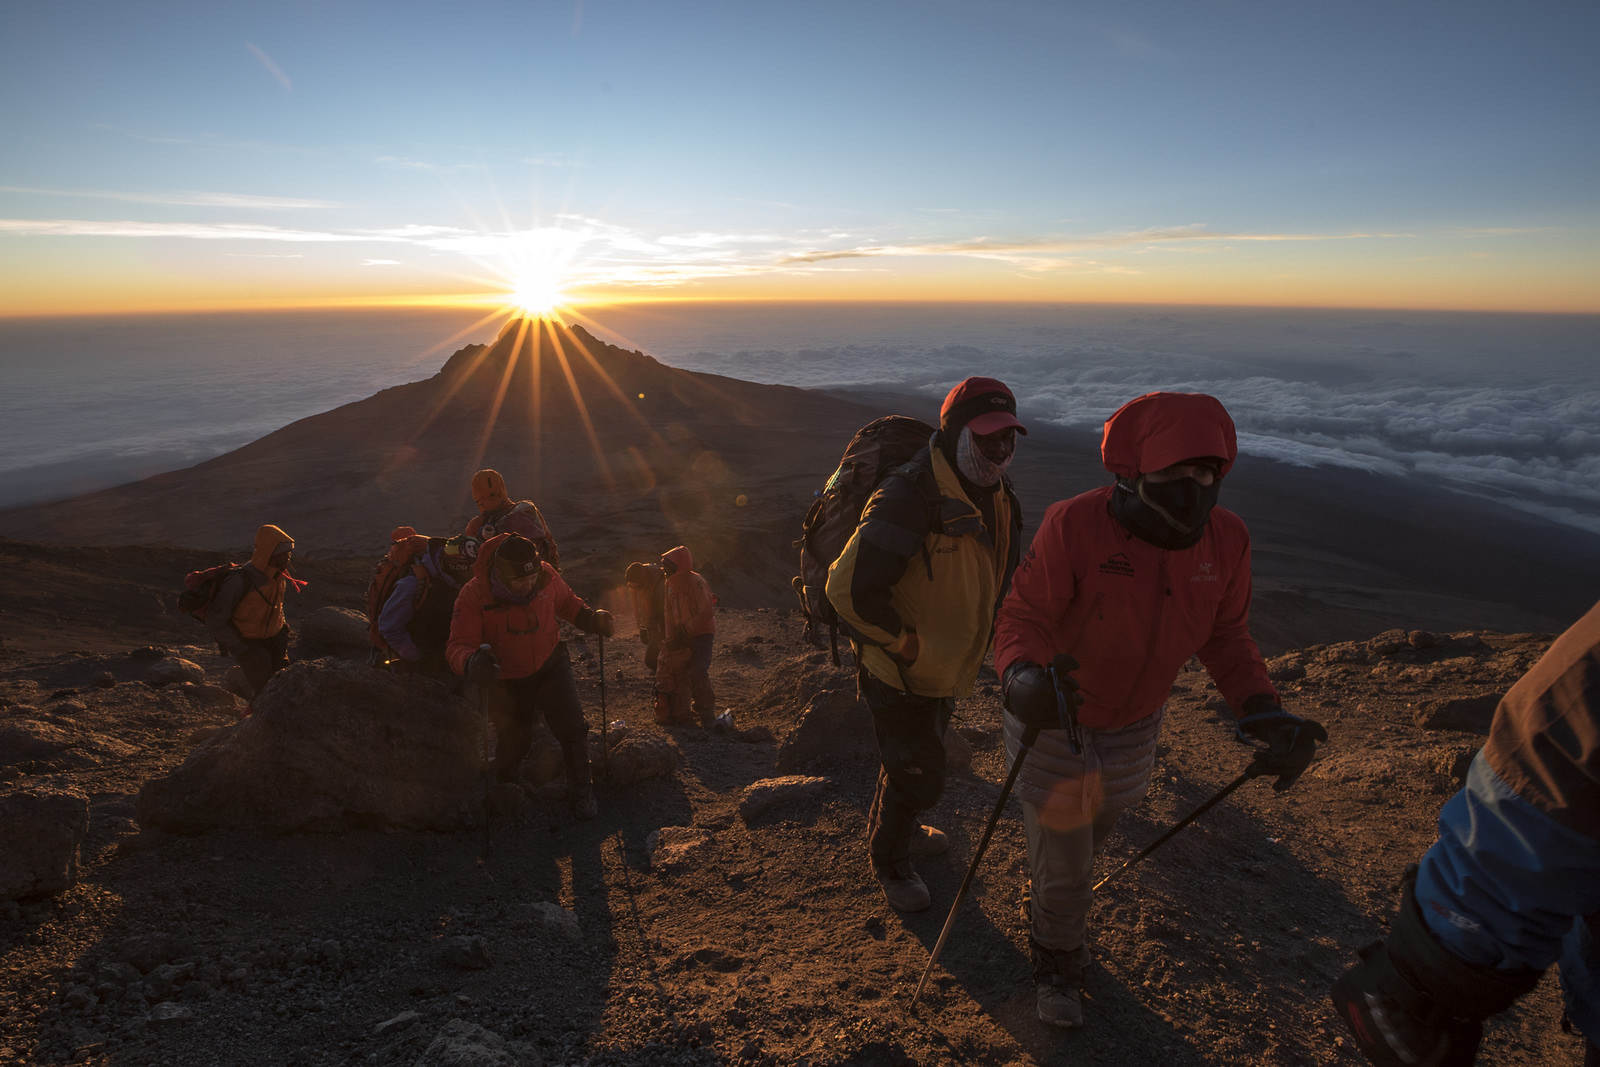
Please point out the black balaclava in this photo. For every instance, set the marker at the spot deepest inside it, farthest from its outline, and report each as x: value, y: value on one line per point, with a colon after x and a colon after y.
x: 1169, y: 515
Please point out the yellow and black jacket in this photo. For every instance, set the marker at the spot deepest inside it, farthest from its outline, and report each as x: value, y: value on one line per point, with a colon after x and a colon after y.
x: 930, y: 555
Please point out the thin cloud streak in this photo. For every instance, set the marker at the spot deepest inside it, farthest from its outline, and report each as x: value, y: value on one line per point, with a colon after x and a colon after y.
x: 272, y: 68
x: 183, y: 199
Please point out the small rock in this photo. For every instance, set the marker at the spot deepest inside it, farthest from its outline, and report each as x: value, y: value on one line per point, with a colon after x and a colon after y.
x: 170, y: 1013
x: 772, y: 792
x: 172, y: 670
x: 103, y: 680
x: 405, y: 1020
x: 558, y: 920
x: 467, y: 953
x: 1471, y: 714
x: 1421, y: 639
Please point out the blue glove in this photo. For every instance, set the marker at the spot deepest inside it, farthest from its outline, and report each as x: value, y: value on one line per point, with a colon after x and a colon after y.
x: 1285, y: 743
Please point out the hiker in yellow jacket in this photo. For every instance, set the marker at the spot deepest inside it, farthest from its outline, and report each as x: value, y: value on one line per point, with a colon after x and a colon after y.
x: 246, y: 615
x: 917, y: 587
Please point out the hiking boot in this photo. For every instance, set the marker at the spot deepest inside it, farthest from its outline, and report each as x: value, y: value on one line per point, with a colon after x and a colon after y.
x: 1057, y: 982
x: 903, y: 887
x: 926, y: 841
x: 583, y: 803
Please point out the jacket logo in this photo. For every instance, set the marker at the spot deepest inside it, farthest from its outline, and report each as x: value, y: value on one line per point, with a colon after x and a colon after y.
x: 1205, y: 574
x: 1118, y: 564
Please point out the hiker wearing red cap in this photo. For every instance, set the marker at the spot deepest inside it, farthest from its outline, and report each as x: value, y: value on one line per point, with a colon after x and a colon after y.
x: 499, y: 514
x: 246, y: 615
x: 1125, y: 583
x: 916, y: 587
x: 512, y: 605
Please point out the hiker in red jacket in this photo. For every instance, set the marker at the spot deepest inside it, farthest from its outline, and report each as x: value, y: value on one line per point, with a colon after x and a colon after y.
x: 684, y: 673
x: 246, y: 615
x: 1128, y: 580
x: 499, y: 514
x: 512, y: 605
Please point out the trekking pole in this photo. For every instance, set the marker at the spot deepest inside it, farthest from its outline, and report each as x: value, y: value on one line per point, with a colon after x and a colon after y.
x: 483, y: 718
x: 1252, y: 771
x: 1028, y: 737
x: 605, y: 740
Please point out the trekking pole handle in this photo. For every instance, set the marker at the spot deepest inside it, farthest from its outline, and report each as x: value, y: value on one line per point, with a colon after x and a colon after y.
x: 1066, y: 712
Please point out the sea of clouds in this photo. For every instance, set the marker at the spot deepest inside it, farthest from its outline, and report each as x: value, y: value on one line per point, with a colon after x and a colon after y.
x: 1506, y: 407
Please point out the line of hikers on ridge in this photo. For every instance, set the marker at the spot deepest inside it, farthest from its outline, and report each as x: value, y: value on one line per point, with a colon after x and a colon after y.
x: 482, y: 608
x: 919, y: 560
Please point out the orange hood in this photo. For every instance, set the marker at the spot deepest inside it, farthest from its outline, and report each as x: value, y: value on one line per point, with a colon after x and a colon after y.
x: 681, y: 559
x: 488, y: 490
x: 268, y: 540
x: 1159, y: 429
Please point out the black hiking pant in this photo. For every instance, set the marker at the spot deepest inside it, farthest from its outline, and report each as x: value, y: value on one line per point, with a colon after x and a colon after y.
x: 262, y: 657
x: 551, y: 692
x: 910, y: 731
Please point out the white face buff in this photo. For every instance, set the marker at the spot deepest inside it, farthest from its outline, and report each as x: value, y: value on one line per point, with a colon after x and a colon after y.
x: 975, y: 467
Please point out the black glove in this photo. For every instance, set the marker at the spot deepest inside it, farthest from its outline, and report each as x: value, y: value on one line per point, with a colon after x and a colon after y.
x: 1037, y: 704
x: 482, y: 667
x: 1285, y: 743
x: 1410, y: 1000
x: 596, y: 621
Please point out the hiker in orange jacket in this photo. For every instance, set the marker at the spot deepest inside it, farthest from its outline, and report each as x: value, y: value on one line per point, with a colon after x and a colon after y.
x: 1128, y: 581
x: 246, y: 615
x: 691, y: 624
x: 499, y: 514
x: 512, y: 605
x: 648, y: 590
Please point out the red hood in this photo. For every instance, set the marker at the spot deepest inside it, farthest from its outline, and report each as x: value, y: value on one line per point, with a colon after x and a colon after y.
x: 681, y: 559
x: 486, y: 551
x: 1160, y: 429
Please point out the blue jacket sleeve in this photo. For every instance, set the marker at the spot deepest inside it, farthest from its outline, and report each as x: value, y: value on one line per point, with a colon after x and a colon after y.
x: 1505, y: 882
x: 396, y: 616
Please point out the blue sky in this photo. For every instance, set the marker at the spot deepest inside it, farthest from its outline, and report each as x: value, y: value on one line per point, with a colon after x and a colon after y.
x: 226, y: 154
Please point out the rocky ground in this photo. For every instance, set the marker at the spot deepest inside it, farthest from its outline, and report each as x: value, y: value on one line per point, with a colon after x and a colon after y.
x: 688, y: 924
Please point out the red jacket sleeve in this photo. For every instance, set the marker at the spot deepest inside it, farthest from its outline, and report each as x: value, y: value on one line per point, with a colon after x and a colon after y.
x: 466, y: 628
x: 1041, y: 591
x: 1230, y: 655
x: 567, y: 603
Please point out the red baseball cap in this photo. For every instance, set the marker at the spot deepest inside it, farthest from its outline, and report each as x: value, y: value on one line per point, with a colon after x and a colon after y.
x: 985, y: 404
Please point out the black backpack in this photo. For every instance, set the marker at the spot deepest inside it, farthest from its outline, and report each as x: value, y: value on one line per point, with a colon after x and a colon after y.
x: 878, y: 448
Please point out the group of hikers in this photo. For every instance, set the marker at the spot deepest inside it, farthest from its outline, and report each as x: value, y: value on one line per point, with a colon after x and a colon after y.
x: 482, y: 609
x: 1089, y: 627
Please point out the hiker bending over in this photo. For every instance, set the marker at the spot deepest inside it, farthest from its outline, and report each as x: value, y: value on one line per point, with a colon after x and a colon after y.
x: 415, y: 621
x: 916, y: 588
x: 1129, y: 581
x: 648, y: 590
x: 499, y: 514
x: 246, y: 615
x: 512, y: 604
x: 1511, y: 886
x: 689, y: 627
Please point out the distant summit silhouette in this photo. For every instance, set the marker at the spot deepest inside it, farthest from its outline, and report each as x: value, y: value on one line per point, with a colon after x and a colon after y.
x: 625, y: 455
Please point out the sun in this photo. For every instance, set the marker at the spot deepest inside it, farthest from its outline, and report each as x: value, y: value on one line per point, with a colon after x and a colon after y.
x: 537, y: 294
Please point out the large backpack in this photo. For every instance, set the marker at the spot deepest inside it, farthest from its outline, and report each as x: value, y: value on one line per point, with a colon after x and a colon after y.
x: 876, y: 449
x: 200, y: 588
x: 404, y: 557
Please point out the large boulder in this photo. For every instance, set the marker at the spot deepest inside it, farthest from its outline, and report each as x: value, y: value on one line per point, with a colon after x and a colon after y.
x: 334, y: 631
x: 835, y: 727
x: 331, y: 744
x: 40, y: 831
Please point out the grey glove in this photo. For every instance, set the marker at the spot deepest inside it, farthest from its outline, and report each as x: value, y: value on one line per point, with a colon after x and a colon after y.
x: 1285, y: 743
x: 1038, y: 704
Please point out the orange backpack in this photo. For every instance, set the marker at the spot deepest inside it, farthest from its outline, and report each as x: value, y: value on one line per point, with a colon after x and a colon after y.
x: 406, y: 547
